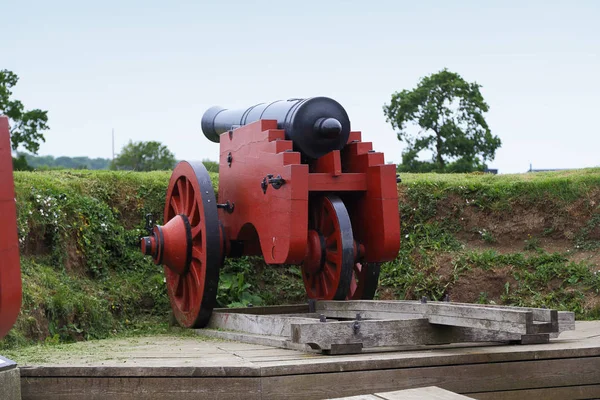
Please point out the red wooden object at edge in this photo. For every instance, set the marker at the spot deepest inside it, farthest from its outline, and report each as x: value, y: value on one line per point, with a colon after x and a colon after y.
x: 10, y: 270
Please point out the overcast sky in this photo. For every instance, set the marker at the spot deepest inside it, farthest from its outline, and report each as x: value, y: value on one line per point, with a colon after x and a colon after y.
x: 149, y: 69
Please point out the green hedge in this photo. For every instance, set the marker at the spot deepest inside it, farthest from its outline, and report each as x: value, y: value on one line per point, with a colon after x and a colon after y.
x: 84, y: 276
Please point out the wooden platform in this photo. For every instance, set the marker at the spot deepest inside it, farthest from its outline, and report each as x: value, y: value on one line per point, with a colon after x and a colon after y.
x: 189, y: 368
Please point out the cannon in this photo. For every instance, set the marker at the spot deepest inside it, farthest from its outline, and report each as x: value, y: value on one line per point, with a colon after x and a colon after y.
x: 296, y: 186
x: 10, y: 270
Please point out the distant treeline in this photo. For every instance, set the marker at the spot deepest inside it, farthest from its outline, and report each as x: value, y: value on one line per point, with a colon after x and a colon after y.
x: 50, y: 162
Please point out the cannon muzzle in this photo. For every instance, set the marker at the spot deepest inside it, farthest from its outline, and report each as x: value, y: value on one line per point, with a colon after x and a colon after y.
x: 315, y: 125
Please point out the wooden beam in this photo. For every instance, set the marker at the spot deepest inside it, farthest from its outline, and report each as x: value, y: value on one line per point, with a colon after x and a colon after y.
x: 369, y: 333
x: 404, y: 307
x: 519, y: 320
x: 267, y: 310
x: 272, y: 325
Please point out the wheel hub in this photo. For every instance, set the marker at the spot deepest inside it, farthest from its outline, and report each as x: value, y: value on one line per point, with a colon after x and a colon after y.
x: 315, y: 252
x: 171, y: 244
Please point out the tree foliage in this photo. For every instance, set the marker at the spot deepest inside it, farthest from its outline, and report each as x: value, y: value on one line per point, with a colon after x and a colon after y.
x: 449, y: 116
x: 27, y: 126
x: 144, y: 156
x: 63, y: 162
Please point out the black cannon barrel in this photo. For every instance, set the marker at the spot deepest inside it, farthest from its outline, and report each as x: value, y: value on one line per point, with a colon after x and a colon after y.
x: 316, y: 125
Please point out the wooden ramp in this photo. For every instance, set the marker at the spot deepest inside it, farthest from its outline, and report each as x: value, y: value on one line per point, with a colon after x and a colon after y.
x: 567, y: 367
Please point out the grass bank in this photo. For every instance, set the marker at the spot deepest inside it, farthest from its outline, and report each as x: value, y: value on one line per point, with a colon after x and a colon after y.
x: 528, y: 239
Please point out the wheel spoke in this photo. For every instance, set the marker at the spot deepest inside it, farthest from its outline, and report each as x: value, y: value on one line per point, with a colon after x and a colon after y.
x: 194, y: 215
x: 332, y: 257
x: 194, y: 285
x: 197, y: 254
x: 174, y: 205
x: 329, y: 275
x: 324, y: 288
x: 197, y: 233
x: 189, y: 198
x: 180, y: 188
x: 331, y: 241
x: 328, y: 227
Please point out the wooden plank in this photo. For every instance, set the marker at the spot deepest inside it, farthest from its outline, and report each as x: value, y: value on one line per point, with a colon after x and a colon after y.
x: 346, y: 348
x: 554, y: 393
x: 120, y: 388
x: 538, y: 338
x: 539, y: 314
x: 464, y: 379
x: 473, y: 335
x: 486, y: 324
x: 416, y: 307
x: 476, y: 312
x: 272, y: 325
x: 265, y: 340
x: 404, y: 307
x: 370, y: 333
x: 566, y: 322
x: 350, y: 314
x: 266, y: 310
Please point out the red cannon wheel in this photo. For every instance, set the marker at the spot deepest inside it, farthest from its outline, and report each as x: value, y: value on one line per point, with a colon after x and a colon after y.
x: 327, y: 268
x: 192, y: 283
x: 365, y: 279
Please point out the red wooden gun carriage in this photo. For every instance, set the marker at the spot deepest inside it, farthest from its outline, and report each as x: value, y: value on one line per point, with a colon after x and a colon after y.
x: 10, y: 271
x: 296, y: 186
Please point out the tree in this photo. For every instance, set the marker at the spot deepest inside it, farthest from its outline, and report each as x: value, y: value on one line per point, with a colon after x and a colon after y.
x: 144, y: 156
x: 49, y: 162
x: 26, y: 126
x: 448, y: 112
